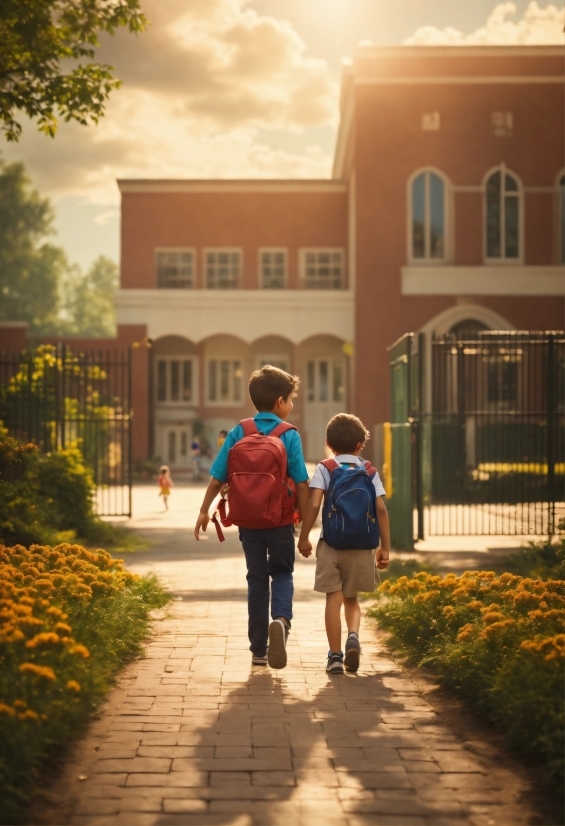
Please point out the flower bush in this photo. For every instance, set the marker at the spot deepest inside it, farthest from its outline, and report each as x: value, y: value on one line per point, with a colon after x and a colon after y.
x: 68, y: 618
x: 497, y: 640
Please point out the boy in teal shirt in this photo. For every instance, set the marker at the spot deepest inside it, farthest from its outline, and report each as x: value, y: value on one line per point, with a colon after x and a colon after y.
x: 269, y: 552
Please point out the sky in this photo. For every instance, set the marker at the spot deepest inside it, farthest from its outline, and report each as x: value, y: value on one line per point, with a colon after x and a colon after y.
x: 235, y: 89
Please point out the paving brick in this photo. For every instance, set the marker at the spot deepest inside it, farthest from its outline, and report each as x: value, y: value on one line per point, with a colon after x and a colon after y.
x: 180, y: 778
x: 273, y: 778
x: 183, y: 806
x: 98, y: 806
x: 136, y: 764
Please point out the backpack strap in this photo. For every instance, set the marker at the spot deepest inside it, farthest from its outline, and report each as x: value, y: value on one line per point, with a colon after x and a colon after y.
x: 249, y: 427
x: 330, y: 464
x: 281, y: 428
x: 371, y: 471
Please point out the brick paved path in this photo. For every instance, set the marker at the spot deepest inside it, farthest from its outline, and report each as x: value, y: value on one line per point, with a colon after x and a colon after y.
x: 194, y: 735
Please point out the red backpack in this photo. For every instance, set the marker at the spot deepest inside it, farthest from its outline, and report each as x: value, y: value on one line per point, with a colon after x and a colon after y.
x: 259, y: 491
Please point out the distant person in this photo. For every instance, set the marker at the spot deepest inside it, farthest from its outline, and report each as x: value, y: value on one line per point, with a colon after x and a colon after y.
x: 165, y: 484
x: 222, y: 438
x: 261, y: 461
x: 196, y: 455
x: 354, y: 518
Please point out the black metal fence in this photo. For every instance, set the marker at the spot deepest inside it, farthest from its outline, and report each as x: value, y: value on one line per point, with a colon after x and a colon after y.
x: 487, y: 413
x: 56, y: 398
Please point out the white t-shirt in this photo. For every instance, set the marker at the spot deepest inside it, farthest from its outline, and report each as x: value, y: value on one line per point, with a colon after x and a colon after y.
x: 321, y: 477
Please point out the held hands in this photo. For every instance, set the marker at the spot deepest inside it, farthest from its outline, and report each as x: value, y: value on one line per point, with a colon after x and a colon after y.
x: 305, y: 547
x: 382, y: 559
x: 201, y: 522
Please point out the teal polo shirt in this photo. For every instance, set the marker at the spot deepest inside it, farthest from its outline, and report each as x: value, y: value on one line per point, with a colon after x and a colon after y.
x: 266, y: 422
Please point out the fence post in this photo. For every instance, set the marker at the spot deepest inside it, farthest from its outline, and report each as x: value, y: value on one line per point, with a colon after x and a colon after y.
x: 63, y: 394
x: 550, y: 436
x: 130, y: 434
x: 419, y: 441
x: 401, y: 506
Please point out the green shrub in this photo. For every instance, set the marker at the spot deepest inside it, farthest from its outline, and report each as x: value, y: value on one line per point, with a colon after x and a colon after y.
x: 69, y: 618
x: 48, y: 498
x: 497, y: 641
x: 541, y: 560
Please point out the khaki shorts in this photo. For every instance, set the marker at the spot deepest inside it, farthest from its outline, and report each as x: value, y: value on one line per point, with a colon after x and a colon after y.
x: 347, y: 571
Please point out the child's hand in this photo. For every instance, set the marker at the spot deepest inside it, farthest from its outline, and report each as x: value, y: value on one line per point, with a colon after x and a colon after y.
x: 382, y: 559
x: 201, y: 522
x: 305, y: 547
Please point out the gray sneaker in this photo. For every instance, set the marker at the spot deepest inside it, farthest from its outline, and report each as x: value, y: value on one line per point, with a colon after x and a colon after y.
x: 335, y: 663
x: 256, y: 660
x: 276, y: 651
x: 352, y: 653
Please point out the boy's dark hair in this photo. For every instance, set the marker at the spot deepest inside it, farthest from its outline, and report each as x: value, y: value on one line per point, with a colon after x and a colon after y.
x: 344, y: 432
x: 270, y: 383
x: 223, y: 433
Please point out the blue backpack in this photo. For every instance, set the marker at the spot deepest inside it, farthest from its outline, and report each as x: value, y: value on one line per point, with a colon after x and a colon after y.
x: 349, y: 517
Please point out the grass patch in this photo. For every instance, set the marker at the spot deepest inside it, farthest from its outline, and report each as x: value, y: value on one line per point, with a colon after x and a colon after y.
x: 69, y: 618
x: 498, y: 641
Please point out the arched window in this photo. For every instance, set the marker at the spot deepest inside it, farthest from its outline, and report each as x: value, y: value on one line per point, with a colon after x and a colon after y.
x: 562, y: 218
x: 502, y: 213
x: 428, y: 219
x: 467, y: 328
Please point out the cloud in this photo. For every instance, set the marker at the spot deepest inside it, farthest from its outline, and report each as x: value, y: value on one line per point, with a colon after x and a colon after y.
x: 103, y: 218
x: 538, y: 26
x: 202, y: 88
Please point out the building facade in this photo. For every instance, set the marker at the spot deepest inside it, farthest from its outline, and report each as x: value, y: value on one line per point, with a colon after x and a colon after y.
x: 445, y: 211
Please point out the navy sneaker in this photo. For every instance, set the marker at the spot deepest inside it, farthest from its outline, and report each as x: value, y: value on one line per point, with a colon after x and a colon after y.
x: 335, y: 663
x: 352, y: 652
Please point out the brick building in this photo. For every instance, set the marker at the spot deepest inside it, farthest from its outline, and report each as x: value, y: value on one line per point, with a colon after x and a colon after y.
x: 445, y: 210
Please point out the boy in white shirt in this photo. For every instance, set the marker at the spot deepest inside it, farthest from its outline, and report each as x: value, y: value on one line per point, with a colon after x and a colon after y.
x: 341, y: 574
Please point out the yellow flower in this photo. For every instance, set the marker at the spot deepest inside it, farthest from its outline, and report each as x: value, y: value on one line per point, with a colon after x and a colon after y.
x: 62, y: 627
x: 7, y: 710
x: 449, y: 612
x: 465, y: 632
x: 44, y: 638
x: 72, y: 685
x: 38, y: 671
x: 80, y: 649
x: 492, y: 616
x: 28, y: 714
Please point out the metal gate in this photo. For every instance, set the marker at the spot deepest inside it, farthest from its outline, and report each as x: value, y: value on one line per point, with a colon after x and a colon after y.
x: 486, y: 416
x: 56, y: 398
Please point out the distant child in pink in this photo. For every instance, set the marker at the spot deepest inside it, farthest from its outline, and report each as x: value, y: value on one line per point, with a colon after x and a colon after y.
x: 165, y: 485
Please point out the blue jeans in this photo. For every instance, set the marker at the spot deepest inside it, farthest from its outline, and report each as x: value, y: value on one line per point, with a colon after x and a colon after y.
x: 269, y: 553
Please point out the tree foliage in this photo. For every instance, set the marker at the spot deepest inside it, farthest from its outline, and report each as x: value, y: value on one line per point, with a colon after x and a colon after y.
x: 89, y: 299
x: 37, y: 283
x: 46, y: 53
x: 30, y: 268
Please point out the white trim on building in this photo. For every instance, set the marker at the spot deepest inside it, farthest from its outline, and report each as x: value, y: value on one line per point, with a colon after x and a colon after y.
x: 499, y: 279
x: 247, y: 314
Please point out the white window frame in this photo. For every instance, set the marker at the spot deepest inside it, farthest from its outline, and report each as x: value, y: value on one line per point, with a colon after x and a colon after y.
x: 426, y: 260
x: 230, y: 250
x: 304, y: 251
x: 279, y: 250
x: 191, y: 250
x: 504, y: 170
x: 231, y: 402
x: 195, y: 381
